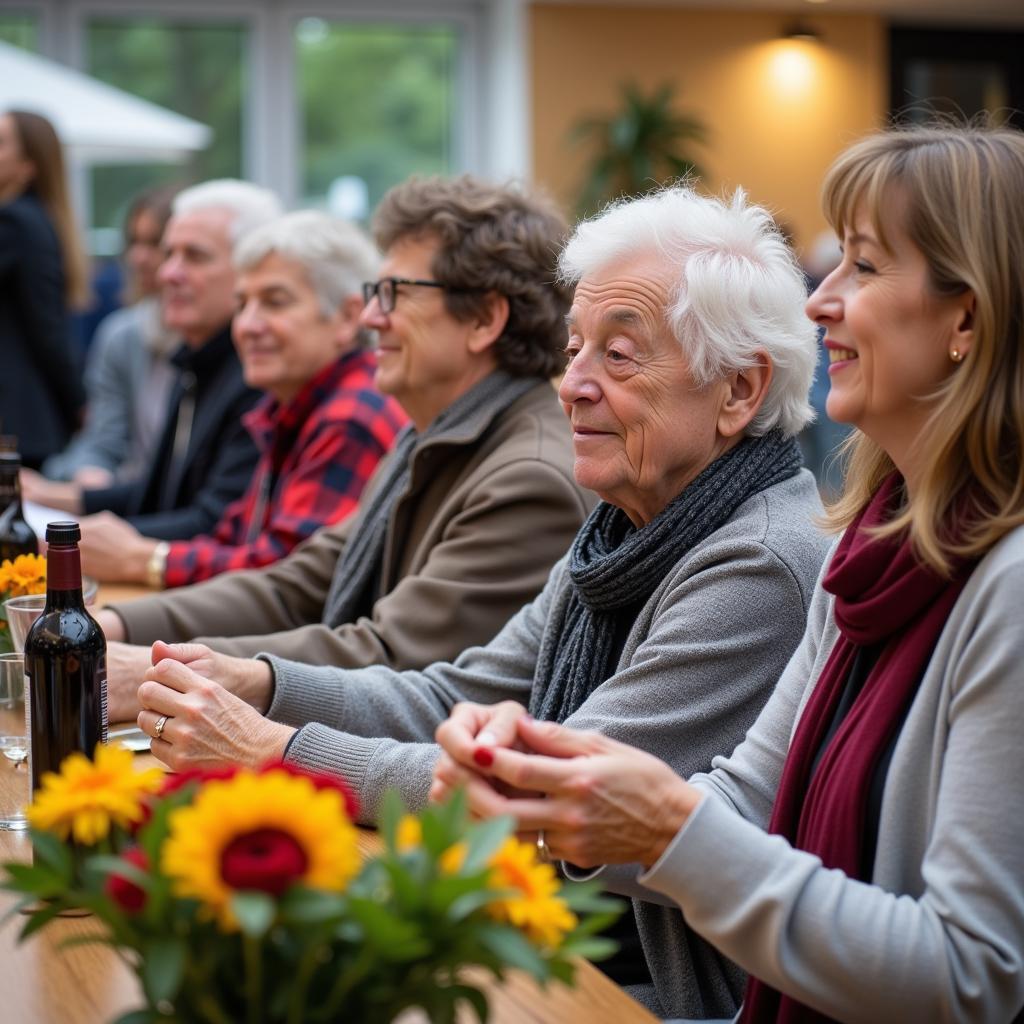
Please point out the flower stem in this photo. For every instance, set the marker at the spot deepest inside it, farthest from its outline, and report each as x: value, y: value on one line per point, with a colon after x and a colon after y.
x: 253, y: 978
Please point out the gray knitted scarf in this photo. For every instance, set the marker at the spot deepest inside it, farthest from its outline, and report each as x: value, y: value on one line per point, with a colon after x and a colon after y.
x: 357, y: 575
x: 615, y: 567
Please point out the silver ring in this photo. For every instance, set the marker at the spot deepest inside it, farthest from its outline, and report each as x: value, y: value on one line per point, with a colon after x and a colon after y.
x: 543, y: 853
x: 158, y: 729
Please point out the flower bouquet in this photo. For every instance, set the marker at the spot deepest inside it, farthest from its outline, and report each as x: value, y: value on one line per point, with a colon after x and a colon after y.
x: 241, y: 896
x: 25, y: 575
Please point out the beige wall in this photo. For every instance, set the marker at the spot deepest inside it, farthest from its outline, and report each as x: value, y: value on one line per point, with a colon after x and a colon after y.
x: 778, y: 110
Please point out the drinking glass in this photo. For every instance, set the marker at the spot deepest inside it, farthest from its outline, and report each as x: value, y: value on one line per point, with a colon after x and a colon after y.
x: 21, y: 612
x: 15, y: 777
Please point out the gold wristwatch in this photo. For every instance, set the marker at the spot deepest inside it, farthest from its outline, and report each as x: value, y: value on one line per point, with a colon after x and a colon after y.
x: 157, y: 564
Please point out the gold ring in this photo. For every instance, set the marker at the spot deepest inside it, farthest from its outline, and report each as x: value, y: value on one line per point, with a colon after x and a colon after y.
x: 158, y: 729
x: 543, y: 853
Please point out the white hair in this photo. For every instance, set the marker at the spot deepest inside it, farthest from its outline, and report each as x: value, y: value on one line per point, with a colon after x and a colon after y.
x: 739, y: 290
x: 249, y: 205
x: 335, y: 254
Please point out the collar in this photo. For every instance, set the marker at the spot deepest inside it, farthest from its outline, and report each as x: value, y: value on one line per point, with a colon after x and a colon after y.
x: 208, y: 358
x: 270, y: 421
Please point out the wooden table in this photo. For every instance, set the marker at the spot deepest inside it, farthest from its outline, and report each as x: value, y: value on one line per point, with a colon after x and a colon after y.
x: 43, y: 984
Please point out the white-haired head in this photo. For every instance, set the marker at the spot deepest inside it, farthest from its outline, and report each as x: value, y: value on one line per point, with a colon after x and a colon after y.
x: 738, y: 289
x: 248, y: 205
x: 335, y: 254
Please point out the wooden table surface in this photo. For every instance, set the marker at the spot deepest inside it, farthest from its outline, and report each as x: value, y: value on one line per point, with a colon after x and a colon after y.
x: 43, y: 984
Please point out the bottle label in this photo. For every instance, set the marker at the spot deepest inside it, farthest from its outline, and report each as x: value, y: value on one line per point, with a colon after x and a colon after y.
x: 101, y: 675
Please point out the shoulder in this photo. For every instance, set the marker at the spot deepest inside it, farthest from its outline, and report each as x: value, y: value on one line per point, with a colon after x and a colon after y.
x: 995, y: 590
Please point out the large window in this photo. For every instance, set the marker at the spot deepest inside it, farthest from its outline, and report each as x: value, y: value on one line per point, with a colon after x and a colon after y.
x: 377, y: 103
x: 195, y: 69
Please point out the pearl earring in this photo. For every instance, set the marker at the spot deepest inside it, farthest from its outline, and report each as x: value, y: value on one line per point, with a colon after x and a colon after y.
x: 956, y: 355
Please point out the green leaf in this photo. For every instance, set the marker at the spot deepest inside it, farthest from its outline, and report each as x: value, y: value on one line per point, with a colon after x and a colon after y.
x: 307, y: 906
x: 106, y: 865
x: 514, y: 949
x: 163, y: 968
x: 39, y: 919
x: 391, y: 811
x: 255, y: 912
x: 590, y: 948
x: 476, y: 999
x: 483, y: 842
x: 48, y: 849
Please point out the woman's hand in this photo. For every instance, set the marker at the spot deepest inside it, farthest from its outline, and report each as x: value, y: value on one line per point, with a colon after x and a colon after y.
x: 248, y: 678
x: 206, y: 727
x: 472, y: 731
x: 602, y: 802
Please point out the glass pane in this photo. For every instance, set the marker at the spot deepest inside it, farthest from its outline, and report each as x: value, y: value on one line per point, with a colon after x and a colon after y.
x: 378, y: 103
x: 19, y: 30
x: 960, y: 87
x: 195, y: 69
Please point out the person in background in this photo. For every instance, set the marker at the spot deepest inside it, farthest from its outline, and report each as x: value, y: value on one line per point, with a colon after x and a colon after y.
x: 462, y: 522
x: 205, y: 457
x: 128, y: 374
x: 689, y: 364
x: 322, y: 427
x: 861, y: 852
x: 42, y: 275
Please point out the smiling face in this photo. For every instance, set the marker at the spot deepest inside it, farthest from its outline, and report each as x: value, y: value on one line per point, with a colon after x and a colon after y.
x: 642, y: 428
x: 197, y: 277
x: 15, y: 171
x: 143, y: 254
x: 426, y: 358
x: 282, y: 336
x: 888, y: 333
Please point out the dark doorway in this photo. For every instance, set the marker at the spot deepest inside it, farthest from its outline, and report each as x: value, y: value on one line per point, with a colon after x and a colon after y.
x: 956, y: 72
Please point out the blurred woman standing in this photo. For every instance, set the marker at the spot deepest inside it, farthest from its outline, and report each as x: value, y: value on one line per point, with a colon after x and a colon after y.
x: 42, y: 274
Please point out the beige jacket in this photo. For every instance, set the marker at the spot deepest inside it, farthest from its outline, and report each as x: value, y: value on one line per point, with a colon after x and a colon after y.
x: 471, y: 541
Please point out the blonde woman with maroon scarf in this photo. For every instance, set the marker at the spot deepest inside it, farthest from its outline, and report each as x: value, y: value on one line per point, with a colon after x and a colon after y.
x: 861, y: 853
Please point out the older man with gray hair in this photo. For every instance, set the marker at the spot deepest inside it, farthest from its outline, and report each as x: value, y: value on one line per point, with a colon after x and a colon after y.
x: 205, y: 456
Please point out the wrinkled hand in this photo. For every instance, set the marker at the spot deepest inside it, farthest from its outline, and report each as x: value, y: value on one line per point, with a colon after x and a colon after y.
x: 206, y: 727
x: 113, y: 550
x: 52, y: 493
x: 602, y: 802
x: 247, y: 678
x: 127, y: 666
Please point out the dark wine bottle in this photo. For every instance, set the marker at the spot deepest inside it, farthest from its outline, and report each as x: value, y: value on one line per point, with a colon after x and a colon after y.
x: 16, y: 536
x: 65, y: 661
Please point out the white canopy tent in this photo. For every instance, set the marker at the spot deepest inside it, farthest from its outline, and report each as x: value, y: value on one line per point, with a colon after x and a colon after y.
x: 97, y: 123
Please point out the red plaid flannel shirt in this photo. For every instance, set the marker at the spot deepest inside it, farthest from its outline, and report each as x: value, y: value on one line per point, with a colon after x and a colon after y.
x: 316, y: 454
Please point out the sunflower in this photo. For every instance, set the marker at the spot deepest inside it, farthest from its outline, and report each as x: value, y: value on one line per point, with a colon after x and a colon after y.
x: 533, y: 905
x: 263, y: 832
x: 87, y: 797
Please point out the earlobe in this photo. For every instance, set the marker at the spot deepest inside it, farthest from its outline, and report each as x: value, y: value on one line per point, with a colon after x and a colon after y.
x: 745, y: 391
x: 963, y: 333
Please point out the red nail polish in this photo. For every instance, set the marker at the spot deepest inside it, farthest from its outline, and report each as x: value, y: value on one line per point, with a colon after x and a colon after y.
x: 483, y: 757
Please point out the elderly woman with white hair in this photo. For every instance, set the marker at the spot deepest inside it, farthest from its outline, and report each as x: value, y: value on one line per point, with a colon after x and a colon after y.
x: 685, y: 591
x: 321, y: 427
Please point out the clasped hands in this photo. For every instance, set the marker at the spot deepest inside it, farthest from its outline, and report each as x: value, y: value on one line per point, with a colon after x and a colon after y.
x: 207, y: 726
x: 597, y: 801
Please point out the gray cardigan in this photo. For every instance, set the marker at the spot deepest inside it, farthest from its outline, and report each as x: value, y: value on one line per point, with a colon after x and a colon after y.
x: 939, y: 935
x: 697, y: 667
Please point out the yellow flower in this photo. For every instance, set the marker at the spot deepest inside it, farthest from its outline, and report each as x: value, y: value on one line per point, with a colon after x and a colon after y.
x: 534, y: 907
x: 453, y: 858
x: 87, y: 797
x: 409, y: 833
x: 25, y: 575
x: 260, y: 832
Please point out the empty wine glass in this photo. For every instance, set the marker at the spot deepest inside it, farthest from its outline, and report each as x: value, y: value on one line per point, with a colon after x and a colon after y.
x: 14, y: 778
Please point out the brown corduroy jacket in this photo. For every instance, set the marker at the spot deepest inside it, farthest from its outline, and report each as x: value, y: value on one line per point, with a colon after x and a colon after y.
x: 471, y: 541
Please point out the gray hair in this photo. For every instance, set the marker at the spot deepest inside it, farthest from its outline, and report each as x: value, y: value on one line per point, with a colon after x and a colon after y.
x: 739, y: 289
x: 336, y: 256
x: 249, y: 205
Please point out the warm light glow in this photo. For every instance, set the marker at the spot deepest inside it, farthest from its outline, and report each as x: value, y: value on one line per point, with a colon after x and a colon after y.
x: 792, y: 67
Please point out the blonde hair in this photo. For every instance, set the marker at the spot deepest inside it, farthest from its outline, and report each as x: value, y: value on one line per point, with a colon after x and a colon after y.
x: 39, y: 144
x: 959, y: 191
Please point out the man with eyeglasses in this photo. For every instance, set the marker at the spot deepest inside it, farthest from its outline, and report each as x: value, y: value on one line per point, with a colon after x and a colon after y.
x: 462, y: 522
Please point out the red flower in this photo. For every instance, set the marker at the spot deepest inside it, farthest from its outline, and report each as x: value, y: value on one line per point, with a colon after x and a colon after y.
x: 126, y: 894
x: 321, y: 780
x: 179, y: 780
x: 267, y: 860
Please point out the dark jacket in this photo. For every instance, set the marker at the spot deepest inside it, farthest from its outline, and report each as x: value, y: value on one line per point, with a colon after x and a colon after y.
x: 175, y: 503
x: 41, y: 392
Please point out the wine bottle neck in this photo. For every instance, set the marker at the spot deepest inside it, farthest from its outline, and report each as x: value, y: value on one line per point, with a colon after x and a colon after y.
x: 64, y: 576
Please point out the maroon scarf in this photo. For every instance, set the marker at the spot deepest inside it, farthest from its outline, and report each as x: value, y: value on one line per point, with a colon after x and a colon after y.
x: 884, y: 596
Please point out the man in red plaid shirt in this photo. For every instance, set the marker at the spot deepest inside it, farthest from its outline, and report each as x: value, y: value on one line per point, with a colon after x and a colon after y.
x: 320, y: 430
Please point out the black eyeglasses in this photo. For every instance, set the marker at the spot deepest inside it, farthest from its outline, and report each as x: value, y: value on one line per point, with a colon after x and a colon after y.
x: 386, y: 290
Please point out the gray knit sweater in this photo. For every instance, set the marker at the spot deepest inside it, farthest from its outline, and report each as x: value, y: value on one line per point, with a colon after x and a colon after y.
x: 697, y: 666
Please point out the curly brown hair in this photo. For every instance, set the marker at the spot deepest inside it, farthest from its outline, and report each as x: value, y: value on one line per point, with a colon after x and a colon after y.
x: 492, y: 238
